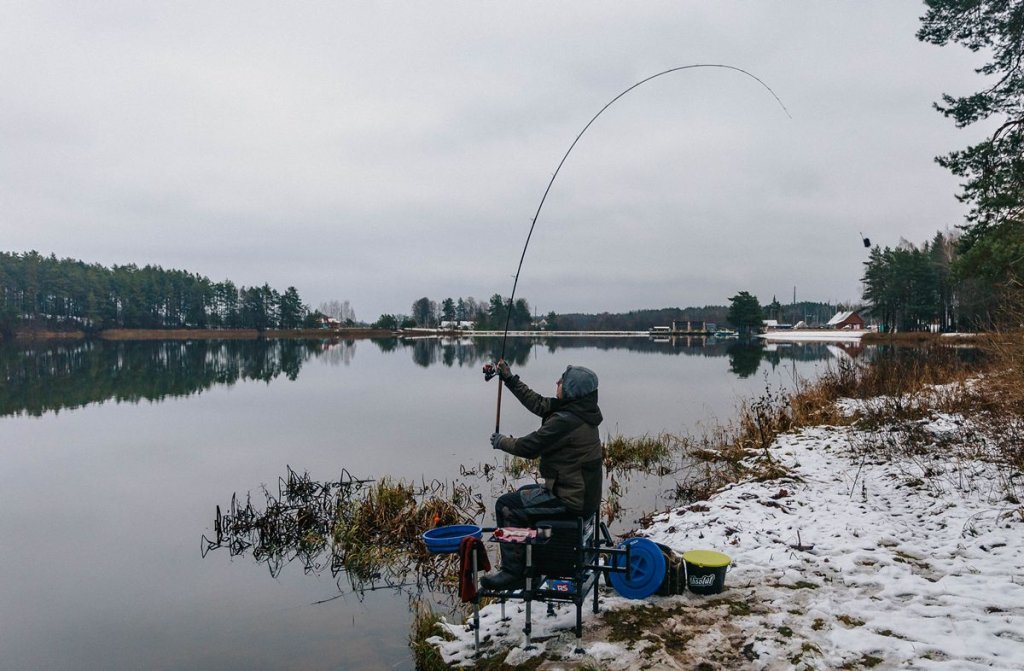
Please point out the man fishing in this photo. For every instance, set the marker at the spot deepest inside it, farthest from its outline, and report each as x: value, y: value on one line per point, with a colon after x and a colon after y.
x: 568, y: 444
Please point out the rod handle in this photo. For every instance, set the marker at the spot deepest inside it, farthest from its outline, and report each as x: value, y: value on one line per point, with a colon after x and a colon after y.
x: 497, y: 414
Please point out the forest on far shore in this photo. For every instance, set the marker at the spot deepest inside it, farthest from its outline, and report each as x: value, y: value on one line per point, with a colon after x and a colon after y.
x: 67, y: 294
x: 47, y: 293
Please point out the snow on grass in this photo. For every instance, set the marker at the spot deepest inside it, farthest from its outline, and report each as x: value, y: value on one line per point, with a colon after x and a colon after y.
x: 858, y: 559
x: 813, y: 336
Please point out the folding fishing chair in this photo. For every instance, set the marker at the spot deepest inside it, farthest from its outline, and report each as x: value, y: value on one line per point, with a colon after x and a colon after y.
x: 561, y: 567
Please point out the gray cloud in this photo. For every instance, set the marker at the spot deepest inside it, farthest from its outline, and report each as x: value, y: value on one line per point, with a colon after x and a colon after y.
x: 378, y: 152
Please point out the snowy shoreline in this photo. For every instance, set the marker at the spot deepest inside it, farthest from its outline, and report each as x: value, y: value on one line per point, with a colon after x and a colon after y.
x: 916, y: 563
x: 813, y: 336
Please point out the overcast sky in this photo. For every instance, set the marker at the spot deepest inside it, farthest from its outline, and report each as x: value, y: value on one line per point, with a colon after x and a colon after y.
x: 379, y: 152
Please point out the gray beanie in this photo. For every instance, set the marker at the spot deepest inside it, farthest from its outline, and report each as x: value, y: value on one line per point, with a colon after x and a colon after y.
x: 577, y: 382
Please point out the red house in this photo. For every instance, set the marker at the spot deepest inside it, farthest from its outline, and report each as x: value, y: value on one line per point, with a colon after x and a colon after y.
x: 846, y: 320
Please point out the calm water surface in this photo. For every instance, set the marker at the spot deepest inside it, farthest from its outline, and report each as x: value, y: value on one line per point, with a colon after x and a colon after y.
x: 113, y: 457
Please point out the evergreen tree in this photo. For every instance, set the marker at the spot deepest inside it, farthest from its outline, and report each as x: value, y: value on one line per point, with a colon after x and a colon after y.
x: 911, y: 288
x: 291, y: 309
x: 497, y: 313
x: 448, y: 310
x: 992, y: 171
x: 521, y: 319
x: 745, y: 313
x: 385, y: 321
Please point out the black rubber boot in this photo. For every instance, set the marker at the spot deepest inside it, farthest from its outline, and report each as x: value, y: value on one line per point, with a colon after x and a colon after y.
x: 502, y: 581
x: 510, y: 577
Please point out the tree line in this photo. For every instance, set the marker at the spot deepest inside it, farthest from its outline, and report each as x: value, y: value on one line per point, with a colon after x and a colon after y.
x: 427, y: 313
x: 913, y: 288
x: 985, y: 277
x: 67, y: 293
x: 492, y: 315
x: 639, y: 320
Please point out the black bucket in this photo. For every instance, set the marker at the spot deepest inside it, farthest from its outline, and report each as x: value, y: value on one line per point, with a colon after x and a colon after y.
x: 705, y: 571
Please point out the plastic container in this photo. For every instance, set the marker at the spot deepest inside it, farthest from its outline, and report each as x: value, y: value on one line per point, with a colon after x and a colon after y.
x: 705, y: 571
x: 646, y: 569
x: 441, y: 540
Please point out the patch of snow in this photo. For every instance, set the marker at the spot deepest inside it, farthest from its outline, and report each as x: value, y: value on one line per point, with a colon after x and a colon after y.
x: 912, y: 561
x: 813, y: 336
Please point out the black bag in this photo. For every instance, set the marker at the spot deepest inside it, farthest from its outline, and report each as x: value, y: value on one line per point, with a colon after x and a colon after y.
x: 675, y: 572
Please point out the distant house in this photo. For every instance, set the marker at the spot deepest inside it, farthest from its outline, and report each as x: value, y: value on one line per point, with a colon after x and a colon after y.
x: 846, y: 320
x: 329, y: 323
x: 688, y: 326
x: 456, y: 326
x: 775, y: 325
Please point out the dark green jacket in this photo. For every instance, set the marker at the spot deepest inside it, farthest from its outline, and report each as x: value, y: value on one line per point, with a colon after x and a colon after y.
x: 568, y: 444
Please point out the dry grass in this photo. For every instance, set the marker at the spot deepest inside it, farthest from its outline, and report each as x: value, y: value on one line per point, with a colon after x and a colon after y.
x: 1003, y: 398
x: 982, y: 396
x: 644, y: 453
x: 518, y: 467
x: 383, y: 528
x: 896, y: 380
x: 425, y: 625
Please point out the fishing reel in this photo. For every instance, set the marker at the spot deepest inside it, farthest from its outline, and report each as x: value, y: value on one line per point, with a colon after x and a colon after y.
x: 490, y: 370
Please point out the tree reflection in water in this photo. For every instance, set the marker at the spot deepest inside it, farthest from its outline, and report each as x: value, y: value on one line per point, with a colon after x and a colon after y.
x: 58, y: 376
x: 55, y: 377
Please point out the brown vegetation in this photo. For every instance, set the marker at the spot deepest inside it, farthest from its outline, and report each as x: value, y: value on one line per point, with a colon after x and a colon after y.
x: 896, y: 378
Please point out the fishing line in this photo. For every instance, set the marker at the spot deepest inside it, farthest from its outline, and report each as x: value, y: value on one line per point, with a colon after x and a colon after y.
x: 533, y: 223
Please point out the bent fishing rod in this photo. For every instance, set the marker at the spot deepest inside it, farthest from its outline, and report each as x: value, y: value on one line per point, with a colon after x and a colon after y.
x: 547, y: 190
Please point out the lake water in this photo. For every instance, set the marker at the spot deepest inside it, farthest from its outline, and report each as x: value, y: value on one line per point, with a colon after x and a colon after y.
x: 114, y: 457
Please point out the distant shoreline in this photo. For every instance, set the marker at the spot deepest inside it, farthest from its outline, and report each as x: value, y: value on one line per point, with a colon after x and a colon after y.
x: 201, y: 334
x: 30, y: 335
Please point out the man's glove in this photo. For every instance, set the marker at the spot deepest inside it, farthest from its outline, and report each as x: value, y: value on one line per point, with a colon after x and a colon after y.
x: 503, y: 370
x: 496, y: 439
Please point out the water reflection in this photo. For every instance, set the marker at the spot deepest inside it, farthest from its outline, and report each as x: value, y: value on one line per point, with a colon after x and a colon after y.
x: 745, y: 356
x: 60, y: 376
x: 365, y: 531
x: 55, y: 377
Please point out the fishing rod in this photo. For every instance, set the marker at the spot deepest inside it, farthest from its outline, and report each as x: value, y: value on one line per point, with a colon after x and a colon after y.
x: 533, y: 223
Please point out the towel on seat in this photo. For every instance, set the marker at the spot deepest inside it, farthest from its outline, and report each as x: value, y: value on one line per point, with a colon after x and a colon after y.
x: 467, y: 587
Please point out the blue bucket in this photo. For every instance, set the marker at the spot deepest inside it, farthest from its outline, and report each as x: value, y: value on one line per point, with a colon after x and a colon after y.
x: 440, y: 540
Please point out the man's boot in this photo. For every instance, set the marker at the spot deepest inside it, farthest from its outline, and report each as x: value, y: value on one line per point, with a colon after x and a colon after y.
x: 510, y: 577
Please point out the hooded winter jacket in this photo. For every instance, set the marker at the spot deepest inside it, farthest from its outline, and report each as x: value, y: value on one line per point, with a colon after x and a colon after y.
x: 568, y: 442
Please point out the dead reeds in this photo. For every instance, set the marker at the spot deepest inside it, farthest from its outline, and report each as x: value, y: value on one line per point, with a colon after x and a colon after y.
x: 898, y: 384
x: 645, y: 453
x: 425, y: 625
x: 382, y: 529
x: 370, y: 531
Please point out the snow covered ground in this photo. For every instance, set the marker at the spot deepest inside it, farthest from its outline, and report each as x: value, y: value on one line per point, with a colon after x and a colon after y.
x: 813, y: 336
x: 901, y: 562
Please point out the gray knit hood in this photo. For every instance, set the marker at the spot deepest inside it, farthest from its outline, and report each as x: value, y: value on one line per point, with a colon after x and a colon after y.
x: 577, y: 382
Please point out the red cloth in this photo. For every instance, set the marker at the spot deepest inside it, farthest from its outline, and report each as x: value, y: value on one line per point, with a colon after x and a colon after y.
x: 467, y: 586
